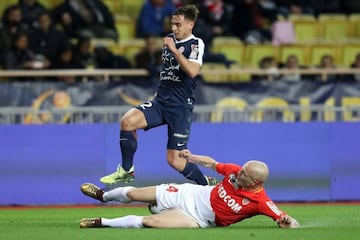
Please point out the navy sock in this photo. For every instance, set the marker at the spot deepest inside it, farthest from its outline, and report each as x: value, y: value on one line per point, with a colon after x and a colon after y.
x: 128, y: 146
x: 192, y: 172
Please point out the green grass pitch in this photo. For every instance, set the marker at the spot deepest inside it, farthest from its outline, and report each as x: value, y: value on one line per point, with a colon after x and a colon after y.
x: 319, y: 221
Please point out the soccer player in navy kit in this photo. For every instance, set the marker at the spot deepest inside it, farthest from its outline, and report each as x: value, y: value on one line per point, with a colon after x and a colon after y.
x: 173, y: 103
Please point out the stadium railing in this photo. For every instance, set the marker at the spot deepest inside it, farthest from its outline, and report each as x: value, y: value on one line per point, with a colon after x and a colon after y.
x: 202, y: 113
x: 107, y: 73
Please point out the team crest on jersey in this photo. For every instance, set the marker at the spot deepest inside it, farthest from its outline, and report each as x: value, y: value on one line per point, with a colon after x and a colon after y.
x: 194, y: 51
x: 245, y: 201
x: 181, y: 49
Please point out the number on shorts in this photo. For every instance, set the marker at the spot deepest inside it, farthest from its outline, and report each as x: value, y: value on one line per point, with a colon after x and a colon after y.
x: 145, y: 105
x: 172, y: 188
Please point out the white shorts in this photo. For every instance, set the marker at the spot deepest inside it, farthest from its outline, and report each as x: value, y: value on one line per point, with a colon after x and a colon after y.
x: 193, y: 200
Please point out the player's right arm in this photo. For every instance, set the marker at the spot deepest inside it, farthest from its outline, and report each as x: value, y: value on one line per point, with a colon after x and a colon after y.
x: 203, y: 160
x: 191, y: 68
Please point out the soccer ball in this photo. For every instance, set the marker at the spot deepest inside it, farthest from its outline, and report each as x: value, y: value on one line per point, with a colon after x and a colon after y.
x: 154, y: 209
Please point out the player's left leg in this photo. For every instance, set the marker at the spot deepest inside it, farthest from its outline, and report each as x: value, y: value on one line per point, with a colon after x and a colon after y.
x: 172, y: 218
x: 179, y: 123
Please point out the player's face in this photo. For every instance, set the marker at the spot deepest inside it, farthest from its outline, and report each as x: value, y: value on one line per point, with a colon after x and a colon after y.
x: 244, y: 178
x: 181, y: 27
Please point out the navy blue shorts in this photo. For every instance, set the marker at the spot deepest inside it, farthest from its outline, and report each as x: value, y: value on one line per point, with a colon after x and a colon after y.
x: 177, y: 118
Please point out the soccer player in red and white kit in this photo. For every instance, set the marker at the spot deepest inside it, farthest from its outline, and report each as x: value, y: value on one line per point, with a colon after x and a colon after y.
x: 238, y: 196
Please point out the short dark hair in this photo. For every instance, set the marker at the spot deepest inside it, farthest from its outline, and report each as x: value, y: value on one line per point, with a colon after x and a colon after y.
x: 190, y: 12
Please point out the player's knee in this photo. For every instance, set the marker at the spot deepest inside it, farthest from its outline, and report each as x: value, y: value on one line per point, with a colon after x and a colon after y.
x: 172, y: 161
x: 126, y: 123
x: 150, y: 221
x: 133, y: 194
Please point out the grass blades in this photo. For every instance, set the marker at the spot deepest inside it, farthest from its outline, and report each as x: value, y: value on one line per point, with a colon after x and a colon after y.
x: 319, y: 221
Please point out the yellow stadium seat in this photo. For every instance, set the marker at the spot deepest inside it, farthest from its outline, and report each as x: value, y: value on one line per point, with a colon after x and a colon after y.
x: 231, y: 47
x: 301, y: 17
x: 334, y: 29
x: 113, y: 6
x: 354, y: 22
x: 131, y: 8
x: 125, y: 27
x: 317, y: 51
x: 348, y: 54
x: 306, y: 30
x: 237, y: 77
x: 213, y: 77
x: 5, y: 4
x: 255, y: 52
x: 116, y: 49
x: 301, y: 51
x: 131, y: 48
x: 332, y: 16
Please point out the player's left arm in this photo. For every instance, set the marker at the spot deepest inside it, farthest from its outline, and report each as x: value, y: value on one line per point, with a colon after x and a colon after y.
x: 203, y: 160
x: 190, y: 66
x: 286, y: 221
x: 283, y: 220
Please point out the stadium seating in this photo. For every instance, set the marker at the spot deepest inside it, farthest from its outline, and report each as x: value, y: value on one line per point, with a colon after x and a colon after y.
x: 317, y: 51
x: 354, y: 21
x: 131, y: 48
x: 231, y: 47
x: 306, y: 30
x: 125, y: 26
x: 255, y: 52
x: 113, y: 5
x: 331, y: 16
x: 233, y: 78
x: 301, y: 51
x: 213, y: 77
x: 130, y: 8
x: 334, y: 29
x: 348, y: 53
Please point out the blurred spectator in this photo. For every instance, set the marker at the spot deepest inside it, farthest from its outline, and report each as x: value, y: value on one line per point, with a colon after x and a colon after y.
x: 287, y: 7
x: 215, y: 20
x: 154, y: 18
x: 351, y: 6
x: 83, y: 53
x: 45, y: 39
x: 30, y: 10
x: 106, y: 59
x: 65, y: 60
x: 21, y: 57
x: 10, y: 26
x: 356, y: 64
x: 87, y: 18
x: 249, y: 22
x: 326, y: 6
x: 291, y: 63
x: 327, y: 62
x: 270, y: 64
x: 150, y: 57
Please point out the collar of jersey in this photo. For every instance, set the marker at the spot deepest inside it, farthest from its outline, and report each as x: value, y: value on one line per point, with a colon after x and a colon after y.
x: 184, y: 40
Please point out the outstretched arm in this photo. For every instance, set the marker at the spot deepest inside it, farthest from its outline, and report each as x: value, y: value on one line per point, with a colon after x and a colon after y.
x: 205, y: 161
x: 287, y: 222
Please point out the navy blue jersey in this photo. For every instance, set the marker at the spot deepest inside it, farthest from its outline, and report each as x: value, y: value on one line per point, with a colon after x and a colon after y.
x: 176, y: 87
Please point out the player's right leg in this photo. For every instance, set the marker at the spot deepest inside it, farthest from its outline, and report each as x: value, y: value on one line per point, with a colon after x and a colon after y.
x: 125, y: 194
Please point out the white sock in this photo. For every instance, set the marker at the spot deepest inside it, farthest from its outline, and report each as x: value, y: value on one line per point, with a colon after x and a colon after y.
x: 130, y: 221
x: 117, y: 194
